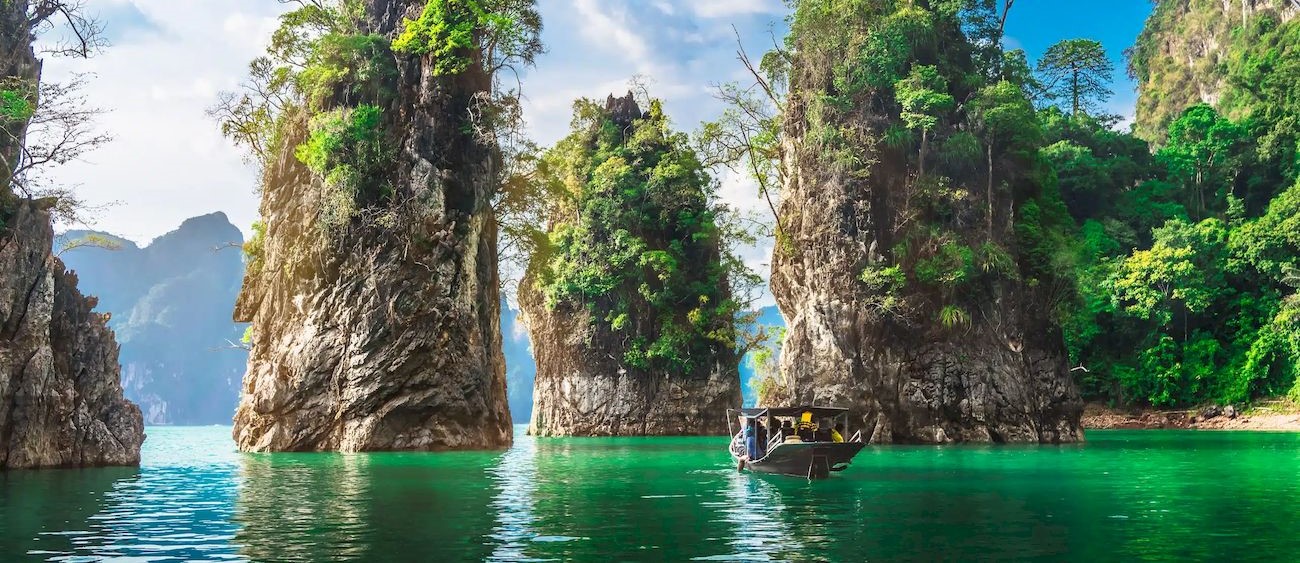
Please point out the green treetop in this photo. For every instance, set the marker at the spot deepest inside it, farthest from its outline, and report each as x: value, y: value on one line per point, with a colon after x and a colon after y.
x: 1077, y: 70
x: 635, y: 238
x: 925, y: 99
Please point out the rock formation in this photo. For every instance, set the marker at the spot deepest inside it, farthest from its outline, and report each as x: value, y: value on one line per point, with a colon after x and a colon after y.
x: 61, y: 402
x: 628, y: 306
x: 1182, y: 56
x: 905, y: 288
x: 170, y: 304
x: 374, y: 298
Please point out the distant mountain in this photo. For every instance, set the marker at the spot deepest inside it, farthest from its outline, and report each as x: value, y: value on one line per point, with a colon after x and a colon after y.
x: 520, y: 367
x: 171, y: 306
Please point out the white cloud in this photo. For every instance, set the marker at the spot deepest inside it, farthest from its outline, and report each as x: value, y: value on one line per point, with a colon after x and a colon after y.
x: 611, y: 29
x: 725, y: 8
x: 169, y: 162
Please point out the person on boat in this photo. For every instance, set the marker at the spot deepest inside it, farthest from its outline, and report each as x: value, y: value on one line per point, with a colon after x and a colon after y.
x: 837, y: 433
x: 751, y: 446
x: 760, y: 440
x: 787, y: 430
x: 823, y: 432
x: 807, y: 429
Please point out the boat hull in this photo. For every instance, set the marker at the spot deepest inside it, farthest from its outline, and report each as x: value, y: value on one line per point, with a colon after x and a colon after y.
x: 806, y: 459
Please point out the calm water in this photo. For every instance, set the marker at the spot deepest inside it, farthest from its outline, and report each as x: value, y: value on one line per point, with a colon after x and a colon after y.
x: 1123, y: 496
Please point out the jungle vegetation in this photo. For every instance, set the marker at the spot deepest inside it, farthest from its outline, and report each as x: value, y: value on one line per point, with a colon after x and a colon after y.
x: 1172, y: 268
x: 634, y: 234
x: 325, y: 92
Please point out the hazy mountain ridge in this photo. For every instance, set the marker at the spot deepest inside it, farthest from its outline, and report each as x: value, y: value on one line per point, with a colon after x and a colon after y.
x: 171, y: 304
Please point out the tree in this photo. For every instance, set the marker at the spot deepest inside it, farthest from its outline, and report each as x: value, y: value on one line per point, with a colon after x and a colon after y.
x: 1205, y: 152
x: 985, y: 25
x: 1006, y: 119
x: 747, y: 136
x: 924, y: 97
x: 1077, y: 70
x: 45, y: 124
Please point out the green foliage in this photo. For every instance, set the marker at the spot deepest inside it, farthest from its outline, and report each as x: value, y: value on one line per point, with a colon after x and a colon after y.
x: 1007, y: 117
x: 450, y: 31
x: 950, y: 268
x: 952, y: 316
x: 349, y: 150
x: 885, y: 288
x: 770, y: 386
x: 885, y: 280
x: 322, y: 72
x: 1205, y: 153
x: 348, y: 67
x: 636, y: 239
x: 445, y: 31
x: 16, y: 105
x: 1175, y: 275
x: 1078, y: 72
x: 255, y: 248
x: 1181, y: 259
x: 924, y: 97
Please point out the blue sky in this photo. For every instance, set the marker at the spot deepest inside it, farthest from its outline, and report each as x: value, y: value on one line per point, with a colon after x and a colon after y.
x: 1035, y: 25
x: 170, y: 58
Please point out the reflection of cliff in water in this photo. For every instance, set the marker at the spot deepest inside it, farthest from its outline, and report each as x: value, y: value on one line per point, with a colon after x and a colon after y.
x: 594, y: 493
x: 48, y: 514
x: 324, y: 507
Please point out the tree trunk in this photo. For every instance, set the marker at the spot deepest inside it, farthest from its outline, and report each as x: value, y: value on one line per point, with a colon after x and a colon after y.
x: 1075, y: 91
x: 925, y: 141
x: 989, y: 190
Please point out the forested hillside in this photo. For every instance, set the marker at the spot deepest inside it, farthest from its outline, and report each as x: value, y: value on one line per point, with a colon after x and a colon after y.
x: 1186, y: 256
x: 1166, y: 251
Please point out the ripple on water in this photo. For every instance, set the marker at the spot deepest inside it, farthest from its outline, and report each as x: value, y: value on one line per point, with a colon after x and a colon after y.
x: 1126, y: 496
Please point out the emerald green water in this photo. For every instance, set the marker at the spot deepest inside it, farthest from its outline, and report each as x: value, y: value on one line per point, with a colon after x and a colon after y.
x: 1122, y: 496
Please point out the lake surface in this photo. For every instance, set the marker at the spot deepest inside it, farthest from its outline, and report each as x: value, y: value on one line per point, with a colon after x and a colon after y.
x: 1154, y: 495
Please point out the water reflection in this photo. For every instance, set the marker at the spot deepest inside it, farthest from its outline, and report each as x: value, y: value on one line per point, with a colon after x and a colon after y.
x: 331, y: 507
x: 1123, y: 496
x: 302, y: 507
x: 649, y: 499
x: 176, y: 507
x: 515, y: 476
x: 51, y: 514
x: 752, y: 508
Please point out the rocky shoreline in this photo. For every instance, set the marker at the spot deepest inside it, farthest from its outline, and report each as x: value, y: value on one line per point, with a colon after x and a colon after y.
x: 1269, y: 418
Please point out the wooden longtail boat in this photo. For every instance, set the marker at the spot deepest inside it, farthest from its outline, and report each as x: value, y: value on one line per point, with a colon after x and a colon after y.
x: 806, y: 448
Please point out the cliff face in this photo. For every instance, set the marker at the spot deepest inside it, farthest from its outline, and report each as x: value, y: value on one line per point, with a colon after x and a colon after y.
x: 629, y: 312
x: 1183, y: 56
x: 381, y: 334
x: 61, y: 403
x: 902, y: 278
x: 170, y: 304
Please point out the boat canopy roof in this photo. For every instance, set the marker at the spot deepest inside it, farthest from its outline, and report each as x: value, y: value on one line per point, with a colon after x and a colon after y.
x: 819, y: 412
